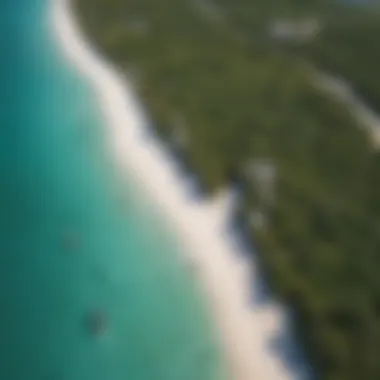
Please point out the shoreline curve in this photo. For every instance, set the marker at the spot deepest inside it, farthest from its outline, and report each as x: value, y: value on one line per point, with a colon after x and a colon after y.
x: 225, y: 276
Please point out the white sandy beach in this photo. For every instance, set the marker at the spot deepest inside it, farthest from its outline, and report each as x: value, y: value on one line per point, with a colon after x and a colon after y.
x: 223, y: 273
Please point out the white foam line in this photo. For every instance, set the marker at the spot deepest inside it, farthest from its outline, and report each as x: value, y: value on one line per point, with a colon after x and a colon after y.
x: 224, y: 275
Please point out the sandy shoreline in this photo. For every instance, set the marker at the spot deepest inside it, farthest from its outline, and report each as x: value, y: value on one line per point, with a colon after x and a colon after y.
x: 225, y: 276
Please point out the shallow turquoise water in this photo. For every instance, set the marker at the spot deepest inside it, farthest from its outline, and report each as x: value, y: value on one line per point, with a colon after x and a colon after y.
x: 57, y: 181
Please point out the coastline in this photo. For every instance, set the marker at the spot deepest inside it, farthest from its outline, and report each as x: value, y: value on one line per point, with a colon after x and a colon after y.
x: 245, y: 333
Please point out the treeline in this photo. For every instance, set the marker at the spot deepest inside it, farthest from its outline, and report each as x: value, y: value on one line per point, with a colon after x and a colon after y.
x: 348, y: 47
x: 345, y: 46
x: 250, y: 113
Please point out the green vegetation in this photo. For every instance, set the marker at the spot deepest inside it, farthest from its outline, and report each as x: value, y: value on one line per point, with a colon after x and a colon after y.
x: 346, y: 44
x: 244, y: 100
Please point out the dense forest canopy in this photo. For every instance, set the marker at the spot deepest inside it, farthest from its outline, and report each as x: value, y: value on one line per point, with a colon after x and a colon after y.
x: 345, y: 45
x: 246, y: 106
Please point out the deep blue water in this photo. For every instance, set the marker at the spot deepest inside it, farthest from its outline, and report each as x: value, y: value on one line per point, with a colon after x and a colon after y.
x: 75, y: 238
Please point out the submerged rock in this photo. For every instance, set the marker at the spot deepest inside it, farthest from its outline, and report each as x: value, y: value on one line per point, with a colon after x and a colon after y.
x: 71, y: 241
x: 97, y: 323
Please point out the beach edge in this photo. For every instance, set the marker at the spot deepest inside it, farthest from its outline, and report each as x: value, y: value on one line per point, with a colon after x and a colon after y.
x: 225, y: 275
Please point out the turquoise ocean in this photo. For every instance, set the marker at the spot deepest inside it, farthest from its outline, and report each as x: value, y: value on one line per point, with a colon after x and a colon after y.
x: 76, y: 238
